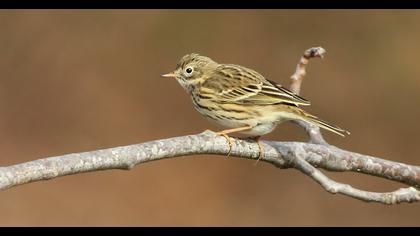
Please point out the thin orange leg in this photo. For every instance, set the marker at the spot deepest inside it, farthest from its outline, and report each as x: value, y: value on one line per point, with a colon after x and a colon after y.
x: 261, y: 149
x: 225, y: 133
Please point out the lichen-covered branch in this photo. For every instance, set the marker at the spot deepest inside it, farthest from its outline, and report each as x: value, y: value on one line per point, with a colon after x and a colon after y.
x: 277, y: 153
x: 305, y: 157
x: 401, y: 195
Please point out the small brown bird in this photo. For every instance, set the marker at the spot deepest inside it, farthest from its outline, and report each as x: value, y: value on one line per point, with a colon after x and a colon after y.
x: 241, y: 99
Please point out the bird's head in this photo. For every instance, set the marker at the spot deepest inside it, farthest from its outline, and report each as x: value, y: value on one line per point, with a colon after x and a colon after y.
x: 192, y: 69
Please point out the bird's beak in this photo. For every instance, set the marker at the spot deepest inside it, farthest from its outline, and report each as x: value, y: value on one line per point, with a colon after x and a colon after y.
x: 169, y: 75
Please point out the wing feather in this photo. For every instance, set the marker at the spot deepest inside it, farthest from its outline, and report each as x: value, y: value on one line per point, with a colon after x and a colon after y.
x: 239, y: 85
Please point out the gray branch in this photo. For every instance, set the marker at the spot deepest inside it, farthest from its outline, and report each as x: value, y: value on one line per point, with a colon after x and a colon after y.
x: 280, y: 154
x: 305, y: 157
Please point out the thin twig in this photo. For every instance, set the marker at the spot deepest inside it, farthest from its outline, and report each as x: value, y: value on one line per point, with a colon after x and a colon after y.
x: 313, y: 131
x: 300, y: 72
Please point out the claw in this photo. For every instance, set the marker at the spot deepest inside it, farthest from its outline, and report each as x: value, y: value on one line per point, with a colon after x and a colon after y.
x: 261, y: 150
x: 229, y: 141
x: 229, y: 131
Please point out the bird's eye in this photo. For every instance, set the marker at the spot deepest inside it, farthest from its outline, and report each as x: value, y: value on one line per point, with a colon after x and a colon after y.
x: 189, y: 70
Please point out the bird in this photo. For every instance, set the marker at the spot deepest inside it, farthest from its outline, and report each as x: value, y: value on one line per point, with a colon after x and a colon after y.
x: 240, y: 99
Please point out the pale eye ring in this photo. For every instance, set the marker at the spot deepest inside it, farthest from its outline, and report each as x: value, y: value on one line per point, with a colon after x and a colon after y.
x: 189, y: 70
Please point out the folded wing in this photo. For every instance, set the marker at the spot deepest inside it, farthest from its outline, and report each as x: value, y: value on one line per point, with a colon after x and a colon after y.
x: 236, y: 84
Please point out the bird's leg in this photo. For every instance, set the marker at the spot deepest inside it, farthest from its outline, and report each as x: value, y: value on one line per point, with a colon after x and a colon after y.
x: 260, y: 147
x: 225, y: 133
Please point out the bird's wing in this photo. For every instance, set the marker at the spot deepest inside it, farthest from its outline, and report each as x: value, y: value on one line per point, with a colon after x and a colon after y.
x: 285, y: 92
x: 236, y: 84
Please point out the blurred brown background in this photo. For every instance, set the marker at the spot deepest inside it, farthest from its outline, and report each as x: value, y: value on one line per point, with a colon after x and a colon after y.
x: 73, y: 81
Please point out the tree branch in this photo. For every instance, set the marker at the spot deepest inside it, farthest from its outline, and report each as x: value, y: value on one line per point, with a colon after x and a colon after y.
x: 280, y: 154
x: 306, y: 157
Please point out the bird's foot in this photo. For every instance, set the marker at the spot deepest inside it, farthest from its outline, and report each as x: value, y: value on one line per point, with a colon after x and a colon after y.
x: 260, y: 148
x: 228, y: 140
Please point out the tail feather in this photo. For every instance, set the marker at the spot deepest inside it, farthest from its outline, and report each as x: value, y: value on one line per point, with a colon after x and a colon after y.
x: 325, y: 125
x: 322, y: 124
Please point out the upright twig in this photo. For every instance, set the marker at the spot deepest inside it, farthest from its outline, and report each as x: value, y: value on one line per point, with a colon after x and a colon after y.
x: 313, y: 131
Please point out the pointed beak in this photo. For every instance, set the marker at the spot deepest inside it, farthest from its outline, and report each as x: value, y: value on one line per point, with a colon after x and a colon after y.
x: 169, y: 75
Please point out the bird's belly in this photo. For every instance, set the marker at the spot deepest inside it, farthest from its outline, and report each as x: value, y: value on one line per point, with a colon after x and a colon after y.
x: 261, y: 125
x: 261, y: 129
x: 225, y: 122
x: 261, y: 121
x: 258, y: 129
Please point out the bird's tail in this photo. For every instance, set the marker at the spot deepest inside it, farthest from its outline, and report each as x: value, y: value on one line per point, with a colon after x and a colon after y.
x: 302, y: 115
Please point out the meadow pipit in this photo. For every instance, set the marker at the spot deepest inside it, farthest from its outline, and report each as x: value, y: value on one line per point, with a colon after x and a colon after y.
x: 241, y: 99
